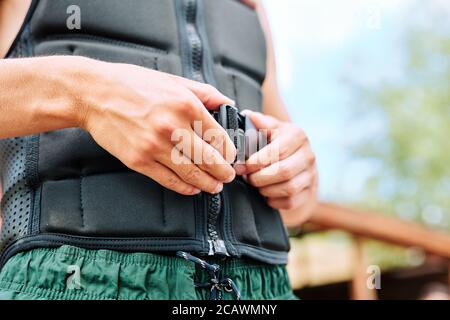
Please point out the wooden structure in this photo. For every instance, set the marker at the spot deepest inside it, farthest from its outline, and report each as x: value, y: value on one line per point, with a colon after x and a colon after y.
x: 366, y: 224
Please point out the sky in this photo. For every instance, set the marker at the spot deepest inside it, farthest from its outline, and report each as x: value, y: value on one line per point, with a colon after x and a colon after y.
x: 323, y: 48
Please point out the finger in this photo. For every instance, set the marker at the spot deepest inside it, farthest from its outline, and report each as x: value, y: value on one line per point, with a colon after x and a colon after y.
x: 204, y: 156
x: 168, y: 179
x: 209, y: 96
x: 251, y: 3
x: 266, y: 125
x: 284, y: 145
x: 290, y: 203
x: 289, y: 188
x: 205, y: 126
x: 189, y: 172
x: 265, y: 157
x: 240, y: 169
x: 213, y: 133
x: 262, y: 121
x: 283, y: 170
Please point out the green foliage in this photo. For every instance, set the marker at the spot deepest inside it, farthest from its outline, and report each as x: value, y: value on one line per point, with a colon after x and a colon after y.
x: 413, y: 151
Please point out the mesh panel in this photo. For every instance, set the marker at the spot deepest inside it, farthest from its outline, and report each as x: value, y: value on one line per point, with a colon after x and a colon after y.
x: 16, y: 201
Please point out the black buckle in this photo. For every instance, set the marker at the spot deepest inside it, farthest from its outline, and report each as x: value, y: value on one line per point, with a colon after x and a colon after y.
x: 241, y: 130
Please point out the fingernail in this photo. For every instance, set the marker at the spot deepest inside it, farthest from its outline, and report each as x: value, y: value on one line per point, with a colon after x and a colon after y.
x: 195, y: 191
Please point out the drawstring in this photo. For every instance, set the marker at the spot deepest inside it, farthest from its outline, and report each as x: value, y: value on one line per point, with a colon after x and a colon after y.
x: 216, y: 281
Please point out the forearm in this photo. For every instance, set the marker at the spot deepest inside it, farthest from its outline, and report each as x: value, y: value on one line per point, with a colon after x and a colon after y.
x: 38, y: 95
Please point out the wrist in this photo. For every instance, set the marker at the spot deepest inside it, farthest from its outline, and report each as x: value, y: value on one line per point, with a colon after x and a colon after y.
x: 79, y: 81
x: 72, y: 89
x: 57, y: 101
x: 90, y: 84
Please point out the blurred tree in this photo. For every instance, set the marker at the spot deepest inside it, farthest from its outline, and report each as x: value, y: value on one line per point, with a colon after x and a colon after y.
x: 413, y: 151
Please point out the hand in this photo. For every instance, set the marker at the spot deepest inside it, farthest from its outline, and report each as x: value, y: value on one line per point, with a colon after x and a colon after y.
x: 133, y: 112
x: 285, y: 170
x: 251, y: 3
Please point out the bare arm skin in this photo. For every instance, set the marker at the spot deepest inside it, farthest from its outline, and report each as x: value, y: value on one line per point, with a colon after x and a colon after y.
x: 142, y: 110
x: 120, y: 105
x: 12, y: 14
x: 34, y: 100
x: 293, y: 187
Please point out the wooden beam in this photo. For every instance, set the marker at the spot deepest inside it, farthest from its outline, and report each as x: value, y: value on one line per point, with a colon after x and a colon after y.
x: 383, y: 228
x: 359, y: 289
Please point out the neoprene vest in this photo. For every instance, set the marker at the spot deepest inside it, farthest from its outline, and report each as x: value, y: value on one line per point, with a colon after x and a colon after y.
x: 61, y: 188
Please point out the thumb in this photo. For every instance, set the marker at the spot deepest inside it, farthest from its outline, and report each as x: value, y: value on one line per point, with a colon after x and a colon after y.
x: 262, y: 121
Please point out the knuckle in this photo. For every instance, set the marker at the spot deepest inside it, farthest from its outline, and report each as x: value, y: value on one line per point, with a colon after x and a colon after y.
x: 210, y: 92
x: 311, y: 158
x: 231, y: 153
x: 172, y: 182
x: 137, y: 161
x: 193, y: 174
x: 184, y: 105
x: 188, y: 107
x: 283, y: 153
x: 149, y: 145
x: 165, y: 127
x: 285, y: 172
x: 284, y: 150
x: 291, y: 188
x: 209, y: 158
x: 226, y: 174
x: 210, y: 89
x: 289, y: 204
x: 307, y: 180
x: 264, y: 192
x: 274, y: 205
x: 219, y: 171
x: 217, y: 140
x: 297, y: 131
x: 300, y: 132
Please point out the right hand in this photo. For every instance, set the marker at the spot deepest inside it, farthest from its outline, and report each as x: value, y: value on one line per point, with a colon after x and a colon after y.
x: 132, y: 113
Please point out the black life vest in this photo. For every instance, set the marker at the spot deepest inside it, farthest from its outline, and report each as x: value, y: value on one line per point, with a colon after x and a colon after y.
x: 62, y: 188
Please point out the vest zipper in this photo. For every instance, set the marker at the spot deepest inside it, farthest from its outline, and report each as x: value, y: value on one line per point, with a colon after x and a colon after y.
x: 214, y: 208
x: 195, y: 42
x: 194, y: 69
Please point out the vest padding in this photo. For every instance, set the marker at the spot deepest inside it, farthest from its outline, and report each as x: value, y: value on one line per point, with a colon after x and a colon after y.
x: 234, y: 41
x: 69, y: 190
x: 238, y: 50
x: 102, y: 204
x: 147, y: 22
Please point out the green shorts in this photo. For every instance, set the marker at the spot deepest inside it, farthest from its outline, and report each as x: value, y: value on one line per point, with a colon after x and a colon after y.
x: 72, y: 273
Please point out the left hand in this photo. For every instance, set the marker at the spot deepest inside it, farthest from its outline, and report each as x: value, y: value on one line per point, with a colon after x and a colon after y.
x: 251, y: 3
x: 285, y: 170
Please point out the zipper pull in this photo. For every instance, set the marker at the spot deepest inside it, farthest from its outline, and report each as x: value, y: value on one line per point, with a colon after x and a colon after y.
x: 217, y: 247
x: 211, y: 248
